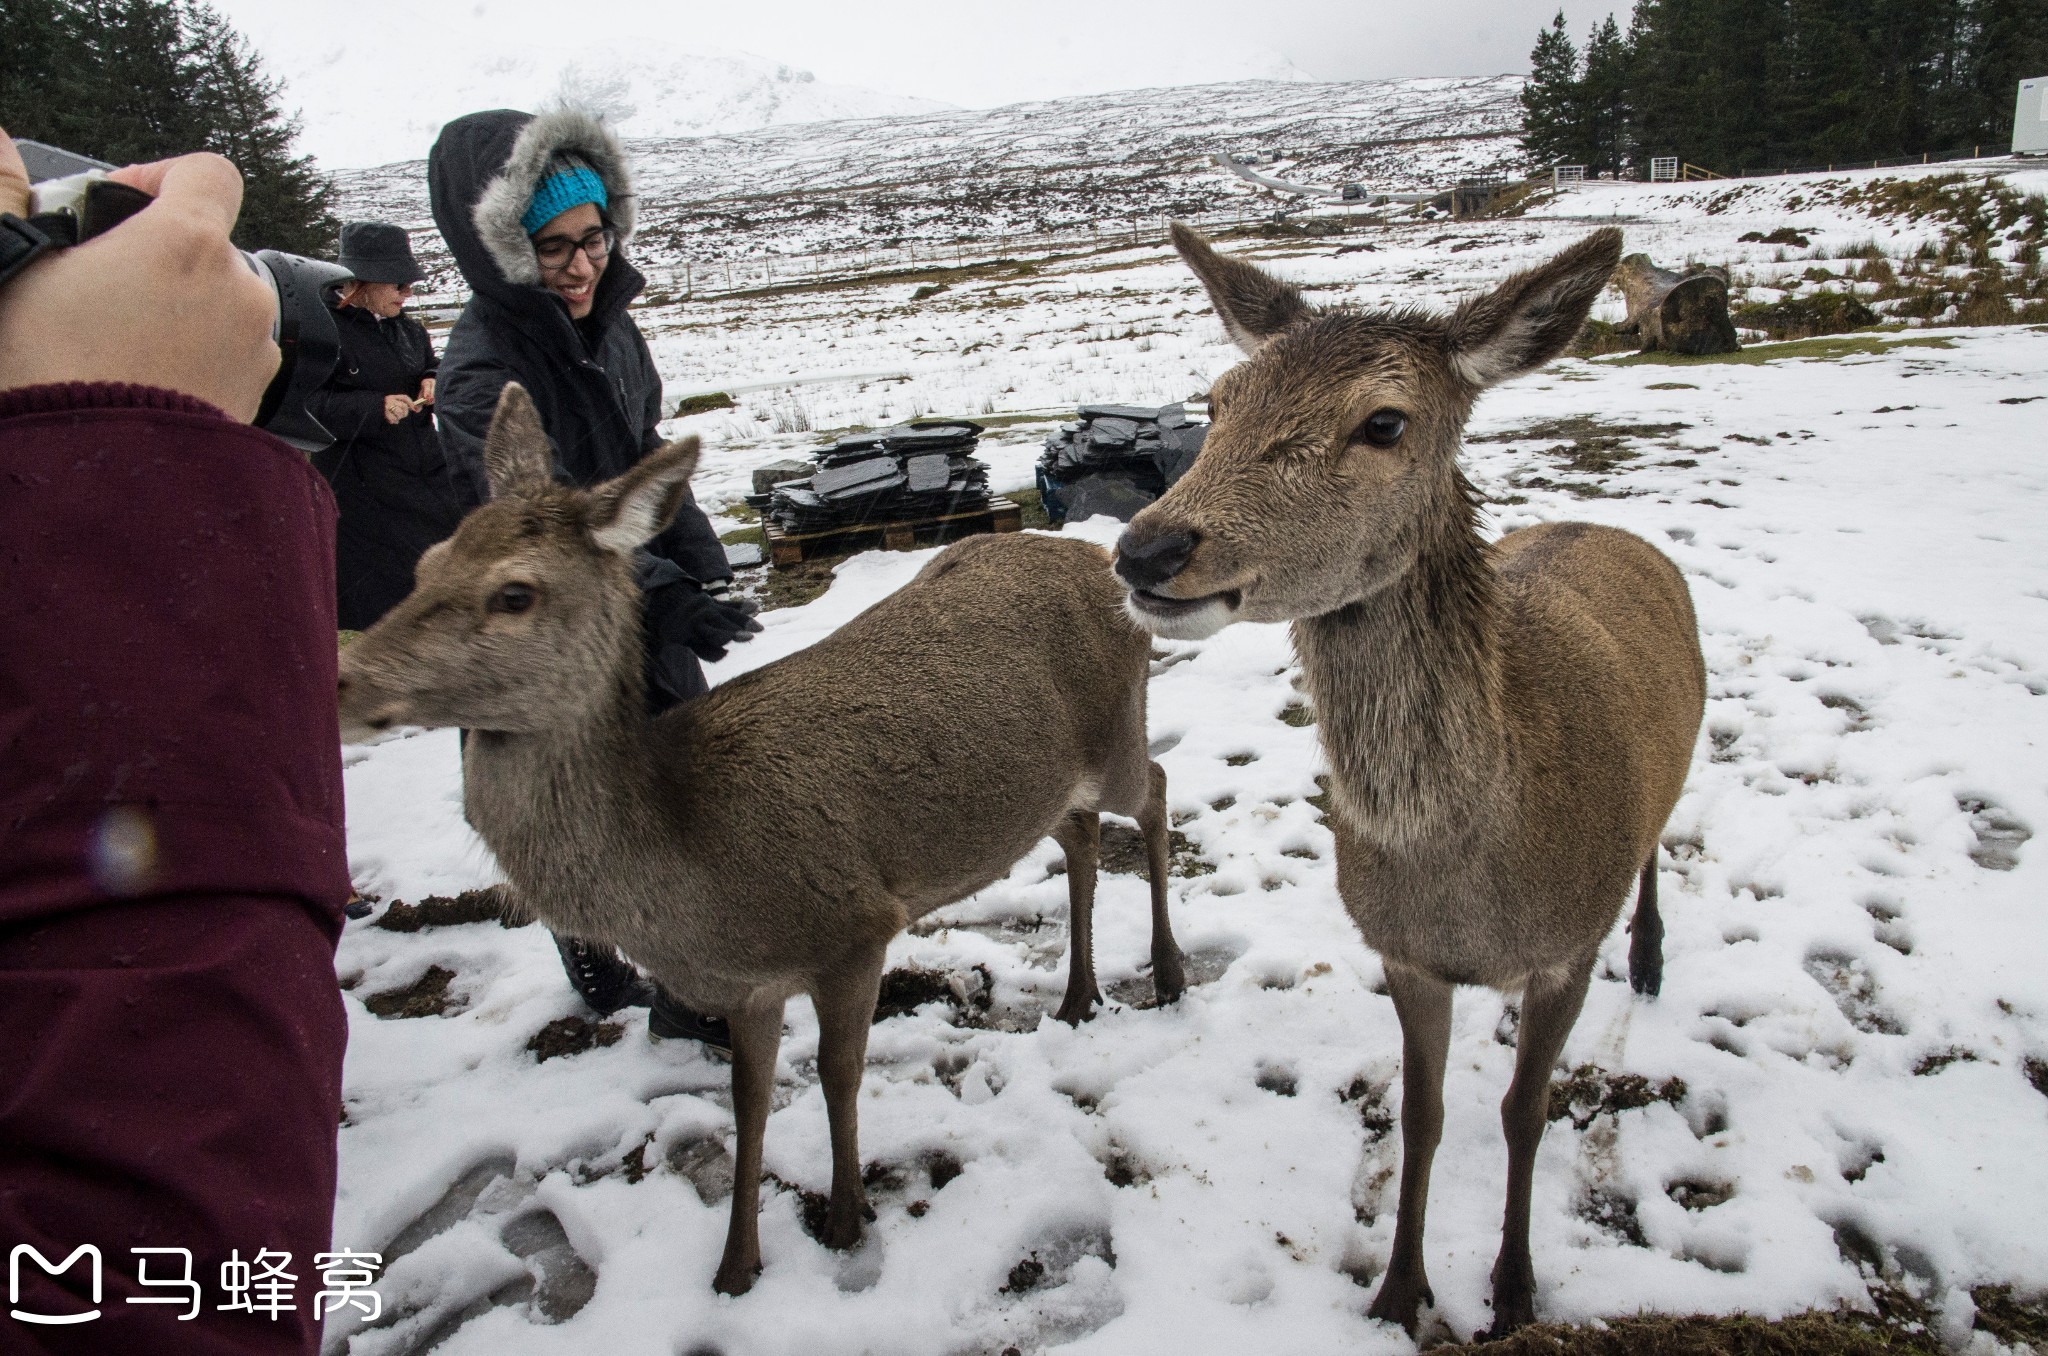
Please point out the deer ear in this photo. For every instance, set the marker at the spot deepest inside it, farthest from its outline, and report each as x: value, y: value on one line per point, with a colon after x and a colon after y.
x: 1253, y: 304
x: 516, y: 450
x: 627, y: 511
x: 1533, y: 316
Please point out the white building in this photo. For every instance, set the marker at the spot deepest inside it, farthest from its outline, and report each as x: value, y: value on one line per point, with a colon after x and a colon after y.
x: 2030, y: 118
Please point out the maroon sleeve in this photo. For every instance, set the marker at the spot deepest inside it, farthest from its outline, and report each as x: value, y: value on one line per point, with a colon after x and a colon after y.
x: 172, y: 864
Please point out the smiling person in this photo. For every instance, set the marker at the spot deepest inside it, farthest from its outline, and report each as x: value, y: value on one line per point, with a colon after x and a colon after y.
x: 385, y: 466
x: 537, y: 211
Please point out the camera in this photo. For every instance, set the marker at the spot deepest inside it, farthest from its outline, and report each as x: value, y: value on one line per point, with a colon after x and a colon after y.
x: 72, y: 201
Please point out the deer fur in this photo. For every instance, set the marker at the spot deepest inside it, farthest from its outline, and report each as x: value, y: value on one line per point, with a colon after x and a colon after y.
x: 769, y: 838
x: 1508, y: 726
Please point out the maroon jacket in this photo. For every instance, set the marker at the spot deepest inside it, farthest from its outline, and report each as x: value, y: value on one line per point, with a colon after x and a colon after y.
x: 172, y: 867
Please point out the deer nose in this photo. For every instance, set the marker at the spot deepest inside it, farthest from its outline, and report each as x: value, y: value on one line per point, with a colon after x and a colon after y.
x: 1145, y: 561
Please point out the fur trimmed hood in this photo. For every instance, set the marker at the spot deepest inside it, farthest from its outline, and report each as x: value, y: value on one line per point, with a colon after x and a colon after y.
x: 552, y: 132
x: 481, y: 175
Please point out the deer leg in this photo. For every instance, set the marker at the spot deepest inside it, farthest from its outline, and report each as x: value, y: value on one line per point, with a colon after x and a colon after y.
x: 756, y: 1036
x: 1550, y: 1006
x: 1169, y: 979
x: 845, y: 999
x: 1646, y: 936
x: 1080, y: 837
x: 1423, y: 1003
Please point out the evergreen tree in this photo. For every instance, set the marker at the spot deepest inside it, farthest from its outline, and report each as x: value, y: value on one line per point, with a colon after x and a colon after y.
x: 1604, y: 100
x: 135, y: 80
x: 1553, y: 116
x: 286, y: 201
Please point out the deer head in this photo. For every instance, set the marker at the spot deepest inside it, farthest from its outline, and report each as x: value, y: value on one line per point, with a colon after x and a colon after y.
x: 529, y: 615
x: 1331, y: 463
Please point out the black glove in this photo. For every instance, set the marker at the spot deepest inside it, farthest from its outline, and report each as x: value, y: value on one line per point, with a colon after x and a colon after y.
x: 705, y: 622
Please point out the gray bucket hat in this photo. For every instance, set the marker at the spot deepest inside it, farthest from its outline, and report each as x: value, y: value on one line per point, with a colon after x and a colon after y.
x: 377, y: 251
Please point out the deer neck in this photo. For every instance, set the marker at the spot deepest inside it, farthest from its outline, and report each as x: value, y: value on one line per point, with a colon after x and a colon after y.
x: 568, y: 808
x: 1407, y: 689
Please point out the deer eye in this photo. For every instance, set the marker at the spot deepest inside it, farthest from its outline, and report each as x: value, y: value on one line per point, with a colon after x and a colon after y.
x: 514, y: 598
x: 1382, y: 428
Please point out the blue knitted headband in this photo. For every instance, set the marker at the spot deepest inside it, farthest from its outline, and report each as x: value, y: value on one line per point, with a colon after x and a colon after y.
x: 559, y: 192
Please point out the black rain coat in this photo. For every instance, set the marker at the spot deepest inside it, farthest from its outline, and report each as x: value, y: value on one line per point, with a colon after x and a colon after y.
x: 593, y: 381
x: 390, y: 481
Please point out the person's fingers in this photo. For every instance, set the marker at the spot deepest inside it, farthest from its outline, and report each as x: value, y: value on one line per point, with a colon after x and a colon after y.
x: 13, y: 178
x: 204, y: 185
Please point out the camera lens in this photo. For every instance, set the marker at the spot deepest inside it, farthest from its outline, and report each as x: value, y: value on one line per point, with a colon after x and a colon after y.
x: 308, y: 340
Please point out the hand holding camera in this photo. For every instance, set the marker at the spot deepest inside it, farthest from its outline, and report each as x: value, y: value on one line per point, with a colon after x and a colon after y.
x: 161, y: 300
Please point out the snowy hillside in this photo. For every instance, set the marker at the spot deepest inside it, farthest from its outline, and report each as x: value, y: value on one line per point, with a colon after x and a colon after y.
x: 1841, y: 1096
x: 366, y: 99
x: 945, y: 177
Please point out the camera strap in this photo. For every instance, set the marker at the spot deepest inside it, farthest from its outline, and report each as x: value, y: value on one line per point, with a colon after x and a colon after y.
x: 21, y: 244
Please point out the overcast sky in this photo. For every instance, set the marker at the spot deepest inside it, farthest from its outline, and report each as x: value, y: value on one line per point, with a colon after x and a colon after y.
x: 966, y: 52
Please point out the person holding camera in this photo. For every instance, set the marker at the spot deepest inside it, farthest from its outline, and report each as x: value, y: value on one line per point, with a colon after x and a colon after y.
x: 172, y: 863
x: 537, y: 211
x: 386, y: 468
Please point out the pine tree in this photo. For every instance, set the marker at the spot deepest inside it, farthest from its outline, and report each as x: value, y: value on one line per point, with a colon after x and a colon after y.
x: 1604, y: 100
x: 1553, y: 118
x: 135, y: 80
x: 286, y: 202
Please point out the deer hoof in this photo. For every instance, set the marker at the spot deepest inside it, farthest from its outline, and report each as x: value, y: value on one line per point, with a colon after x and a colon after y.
x: 1078, y: 1008
x: 1169, y: 979
x: 1400, y: 1300
x: 843, y: 1226
x: 735, y: 1279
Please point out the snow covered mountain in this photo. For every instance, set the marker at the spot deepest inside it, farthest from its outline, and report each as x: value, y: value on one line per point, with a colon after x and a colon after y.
x: 364, y: 101
x: 941, y: 177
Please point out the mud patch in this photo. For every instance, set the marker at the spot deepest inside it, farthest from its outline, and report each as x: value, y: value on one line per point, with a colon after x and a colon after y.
x: 1999, y: 835
x: 1373, y: 1112
x: 426, y: 996
x: 707, y: 1165
x: 969, y: 993
x: 1695, y: 1193
x: 1846, y: 1332
x: 2036, y: 1071
x: 1934, y: 1063
x: 1854, y: 990
x: 1612, y: 1213
x: 1048, y: 1263
x: 1593, y: 446
x: 2009, y: 1319
x: 1591, y: 1091
x: 442, y: 911
x: 1123, y: 854
x: 572, y: 1036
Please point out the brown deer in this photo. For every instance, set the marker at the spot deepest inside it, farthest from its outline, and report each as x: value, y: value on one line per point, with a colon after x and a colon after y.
x: 769, y: 838
x: 1507, y: 726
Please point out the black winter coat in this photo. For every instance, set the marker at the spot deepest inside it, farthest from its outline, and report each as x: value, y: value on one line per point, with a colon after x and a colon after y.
x: 593, y: 382
x: 390, y: 480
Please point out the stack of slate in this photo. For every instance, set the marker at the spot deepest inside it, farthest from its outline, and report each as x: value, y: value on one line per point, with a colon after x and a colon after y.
x: 1115, y: 460
x: 901, y: 474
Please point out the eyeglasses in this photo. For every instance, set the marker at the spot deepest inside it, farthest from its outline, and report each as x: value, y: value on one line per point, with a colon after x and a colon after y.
x: 556, y: 251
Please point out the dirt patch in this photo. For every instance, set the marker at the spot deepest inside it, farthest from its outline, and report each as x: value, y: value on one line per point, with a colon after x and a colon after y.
x: 442, y: 911
x: 1299, y: 715
x: 1123, y: 853
x: 426, y: 996
x: 1373, y: 1112
x: 1613, y: 1213
x: 1784, y: 235
x: 1697, y: 1194
x: 904, y: 991
x: 1831, y: 349
x: 1844, y: 1333
x: 1593, y: 447
x: 703, y: 404
x: 1822, y: 312
x: 572, y: 1036
x: 2036, y: 1071
x: 1941, y: 1059
x: 2009, y: 1319
x: 1591, y: 1091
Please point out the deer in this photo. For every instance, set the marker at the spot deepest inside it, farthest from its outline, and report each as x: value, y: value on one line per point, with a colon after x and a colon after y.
x: 768, y: 838
x: 1508, y: 726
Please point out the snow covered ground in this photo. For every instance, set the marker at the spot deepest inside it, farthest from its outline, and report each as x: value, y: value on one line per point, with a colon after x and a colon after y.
x: 1855, y: 998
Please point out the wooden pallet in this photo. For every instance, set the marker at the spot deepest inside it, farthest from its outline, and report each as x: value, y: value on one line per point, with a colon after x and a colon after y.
x: 790, y: 548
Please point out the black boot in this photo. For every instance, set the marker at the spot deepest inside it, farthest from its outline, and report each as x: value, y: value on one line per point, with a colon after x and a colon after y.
x: 604, y: 978
x: 669, y: 1020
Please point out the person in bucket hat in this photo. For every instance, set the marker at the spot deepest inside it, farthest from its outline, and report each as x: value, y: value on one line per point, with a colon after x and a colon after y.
x: 386, y: 467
